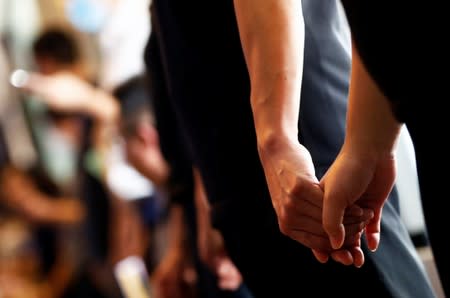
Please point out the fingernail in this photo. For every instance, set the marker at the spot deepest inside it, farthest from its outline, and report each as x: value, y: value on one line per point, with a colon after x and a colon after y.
x: 376, y: 242
x: 336, y: 243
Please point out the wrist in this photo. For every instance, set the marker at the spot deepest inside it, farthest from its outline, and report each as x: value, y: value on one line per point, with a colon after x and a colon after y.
x: 273, y: 141
x: 369, y: 150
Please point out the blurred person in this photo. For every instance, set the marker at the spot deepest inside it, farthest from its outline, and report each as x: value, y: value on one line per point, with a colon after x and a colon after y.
x: 56, y: 49
x: 71, y: 155
x: 24, y: 210
x: 20, y: 268
x: 127, y: 229
x: 241, y: 91
x: 34, y: 199
x: 142, y: 147
x: 164, y: 161
x: 388, y: 90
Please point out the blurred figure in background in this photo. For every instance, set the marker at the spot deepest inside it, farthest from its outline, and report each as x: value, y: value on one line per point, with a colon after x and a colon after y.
x: 20, y: 274
x: 33, y: 217
x: 70, y: 160
x: 180, y: 267
x: 125, y: 230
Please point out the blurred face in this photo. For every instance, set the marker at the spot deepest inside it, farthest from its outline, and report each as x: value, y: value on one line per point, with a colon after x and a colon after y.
x: 47, y: 65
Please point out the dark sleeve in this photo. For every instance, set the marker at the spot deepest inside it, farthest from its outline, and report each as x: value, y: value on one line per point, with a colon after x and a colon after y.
x: 180, y: 185
x: 383, y: 34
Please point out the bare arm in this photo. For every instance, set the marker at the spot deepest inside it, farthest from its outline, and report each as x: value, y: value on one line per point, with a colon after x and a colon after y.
x: 68, y: 92
x: 210, y: 242
x: 23, y: 195
x: 372, y: 129
x: 364, y: 171
x: 272, y: 35
x: 172, y: 277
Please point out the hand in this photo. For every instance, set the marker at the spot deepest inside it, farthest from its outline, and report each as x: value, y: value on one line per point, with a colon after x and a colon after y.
x: 144, y: 153
x: 297, y: 199
x: 356, y: 179
x: 24, y: 196
x: 213, y: 253
x: 211, y: 247
x: 174, y: 277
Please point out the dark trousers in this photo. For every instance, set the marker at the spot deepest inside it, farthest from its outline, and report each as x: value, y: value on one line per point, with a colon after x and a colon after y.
x: 273, y: 265
x: 431, y: 157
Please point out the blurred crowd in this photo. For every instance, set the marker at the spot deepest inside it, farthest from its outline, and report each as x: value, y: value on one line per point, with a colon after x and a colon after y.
x: 94, y: 202
x: 65, y: 221
x: 94, y: 214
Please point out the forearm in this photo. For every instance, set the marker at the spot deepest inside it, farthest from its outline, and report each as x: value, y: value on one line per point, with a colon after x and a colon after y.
x: 102, y: 106
x: 177, y: 233
x: 201, y: 205
x: 272, y: 36
x: 372, y: 129
x: 67, y: 92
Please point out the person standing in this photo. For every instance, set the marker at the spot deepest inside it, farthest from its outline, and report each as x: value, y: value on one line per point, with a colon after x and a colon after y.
x: 236, y: 72
x: 390, y: 88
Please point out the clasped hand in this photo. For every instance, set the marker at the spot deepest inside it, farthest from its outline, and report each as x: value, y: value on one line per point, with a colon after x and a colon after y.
x: 298, y: 198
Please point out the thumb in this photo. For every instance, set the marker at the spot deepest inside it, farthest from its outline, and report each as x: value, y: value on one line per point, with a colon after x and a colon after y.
x: 373, y: 230
x: 334, y: 206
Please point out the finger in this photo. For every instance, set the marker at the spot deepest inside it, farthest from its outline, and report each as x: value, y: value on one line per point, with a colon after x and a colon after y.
x: 333, y: 214
x: 322, y: 257
x: 351, y: 252
x: 353, y: 245
x: 354, y: 210
x: 367, y: 216
x: 358, y: 256
x: 354, y: 229
x: 310, y: 232
x: 349, y: 256
x: 353, y: 240
x: 305, y: 189
x: 302, y: 208
x: 373, y: 229
x: 312, y: 241
x: 320, y: 242
x: 293, y: 222
x: 342, y: 256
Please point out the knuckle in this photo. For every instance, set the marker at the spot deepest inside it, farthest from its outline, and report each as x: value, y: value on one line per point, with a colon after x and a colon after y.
x: 289, y: 205
x: 283, y: 216
x: 284, y: 229
x: 296, y: 188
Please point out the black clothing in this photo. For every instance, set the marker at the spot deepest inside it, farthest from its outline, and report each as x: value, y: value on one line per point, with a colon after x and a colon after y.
x: 209, y: 93
x: 400, y: 46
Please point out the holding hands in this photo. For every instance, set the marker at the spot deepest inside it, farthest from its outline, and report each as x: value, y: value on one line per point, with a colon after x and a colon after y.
x: 298, y: 200
x: 356, y: 179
